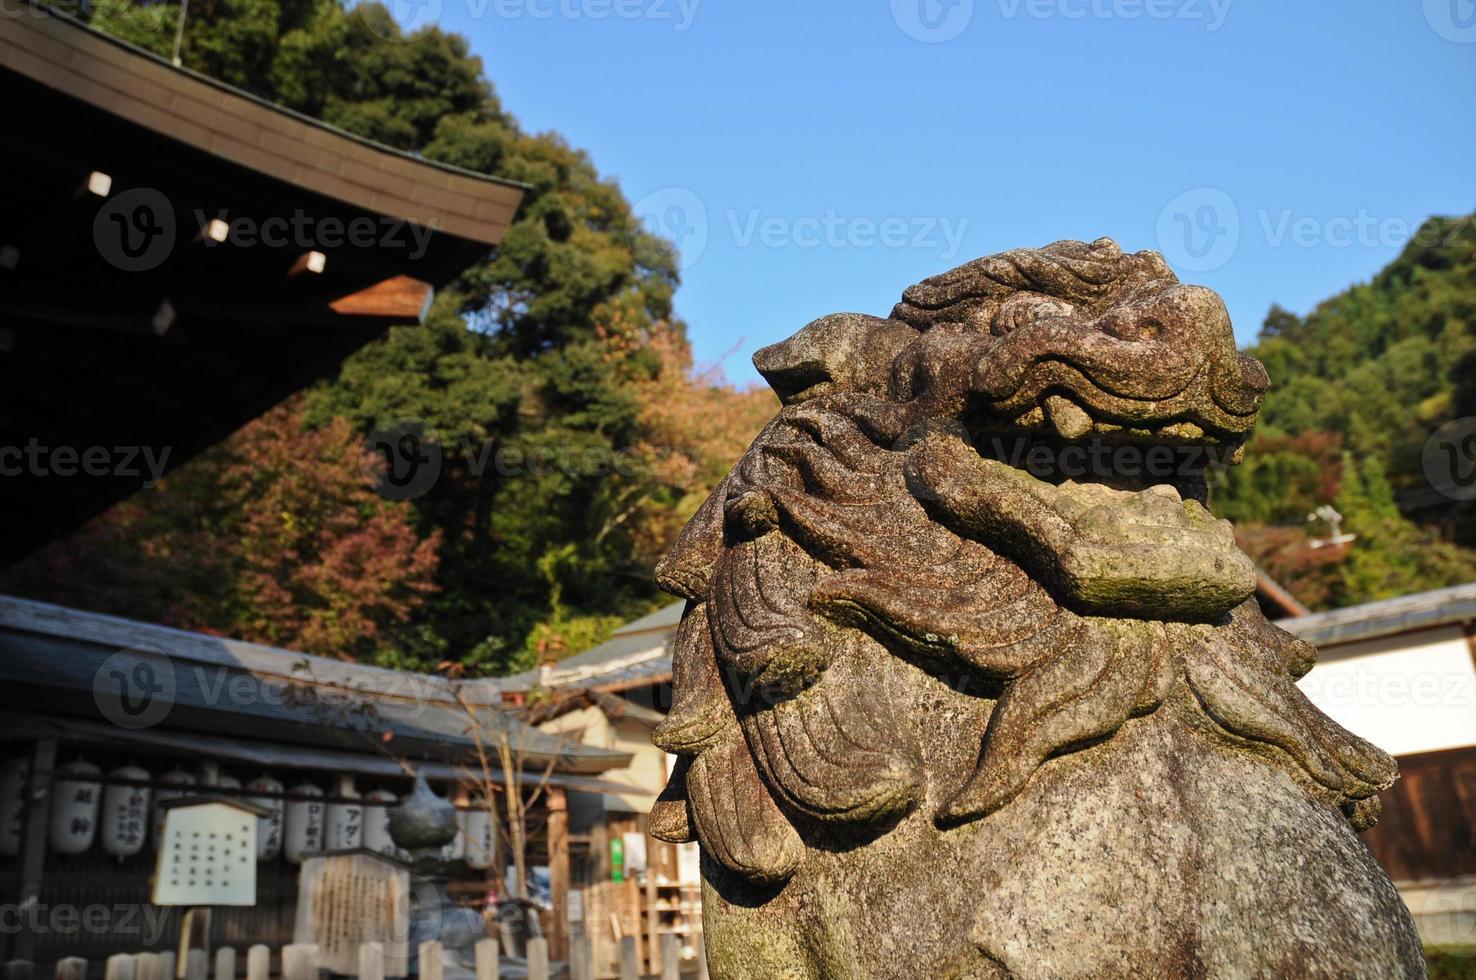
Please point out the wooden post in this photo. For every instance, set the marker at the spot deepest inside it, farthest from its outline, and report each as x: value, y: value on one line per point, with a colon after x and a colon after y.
x: 581, y: 957
x: 149, y: 966
x: 168, y: 961
x: 120, y: 966
x: 197, y: 965
x: 225, y: 963
x: 371, y: 961
x: 432, y: 962
x: 538, y: 958
x: 671, y: 964
x: 33, y: 846
x: 71, y: 968
x: 487, y: 965
x: 653, y: 920
x: 300, y: 962
x: 630, y: 967
x: 558, y: 871
x: 258, y: 963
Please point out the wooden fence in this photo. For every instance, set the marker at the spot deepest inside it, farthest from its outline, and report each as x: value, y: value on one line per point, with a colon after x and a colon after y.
x: 299, y: 961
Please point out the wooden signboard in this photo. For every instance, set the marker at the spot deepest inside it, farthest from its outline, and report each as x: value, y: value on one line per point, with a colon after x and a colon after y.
x: 350, y: 898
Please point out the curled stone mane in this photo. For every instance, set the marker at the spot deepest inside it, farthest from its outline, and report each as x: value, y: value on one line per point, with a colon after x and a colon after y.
x: 888, y: 614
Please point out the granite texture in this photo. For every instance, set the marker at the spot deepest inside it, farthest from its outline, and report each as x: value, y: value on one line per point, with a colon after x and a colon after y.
x: 971, y: 684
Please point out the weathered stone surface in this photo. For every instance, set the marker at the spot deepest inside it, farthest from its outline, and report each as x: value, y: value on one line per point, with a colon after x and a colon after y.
x: 947, y: 706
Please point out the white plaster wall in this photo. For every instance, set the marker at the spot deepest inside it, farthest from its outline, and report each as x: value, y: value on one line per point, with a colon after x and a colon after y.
x: 1414, y: 692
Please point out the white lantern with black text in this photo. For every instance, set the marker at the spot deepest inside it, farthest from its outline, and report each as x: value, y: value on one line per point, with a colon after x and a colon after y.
x: 303, y: 826
x: 377, y: 806
x: 125, y: 812
x: 76, y: 797
x: 268, y: 827
x: 345, y: 820
x: 481, y: 843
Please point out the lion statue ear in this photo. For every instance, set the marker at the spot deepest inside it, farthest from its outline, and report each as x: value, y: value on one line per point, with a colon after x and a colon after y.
x: 840, y: 352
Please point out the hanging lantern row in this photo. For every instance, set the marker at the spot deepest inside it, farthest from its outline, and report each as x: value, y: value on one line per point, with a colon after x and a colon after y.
x: 293, y: 828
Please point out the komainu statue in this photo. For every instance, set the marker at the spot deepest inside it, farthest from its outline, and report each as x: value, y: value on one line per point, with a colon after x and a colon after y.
x: 971, y: 684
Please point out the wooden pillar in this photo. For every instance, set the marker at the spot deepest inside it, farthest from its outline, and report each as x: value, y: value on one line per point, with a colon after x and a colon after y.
x: 258, y: 962
x: 558, y: 871
x: 33, y: 845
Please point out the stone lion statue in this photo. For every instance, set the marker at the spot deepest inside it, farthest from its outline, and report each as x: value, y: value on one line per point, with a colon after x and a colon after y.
x: 971, y: 684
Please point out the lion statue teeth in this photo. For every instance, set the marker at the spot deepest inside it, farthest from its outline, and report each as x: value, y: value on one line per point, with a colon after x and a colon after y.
x: 962, y: 637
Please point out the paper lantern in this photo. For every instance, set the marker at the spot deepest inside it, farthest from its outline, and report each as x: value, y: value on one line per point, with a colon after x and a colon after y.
x: 76, y: 796
x: 269, y: 827
x: 481, y: 841
x: 175, y: 777
x: 376, y: 822
x: 345, y: 820
x: 303, y: 824
x: 12, y: 804
x: 125, y: 813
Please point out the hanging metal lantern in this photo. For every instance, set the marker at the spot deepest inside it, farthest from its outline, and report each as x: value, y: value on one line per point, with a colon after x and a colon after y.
x: 303, y: 830
x: 269, y: 827
x: 125, y: 813
x: 12, y: 804
x: 175, y: 777
x: 345, y: 820
x: 76, y: 797
x: 481, y: 840
x: 376, y: 822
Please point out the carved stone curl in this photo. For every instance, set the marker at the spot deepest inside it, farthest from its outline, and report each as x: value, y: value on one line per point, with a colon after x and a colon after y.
x: 971, y: 684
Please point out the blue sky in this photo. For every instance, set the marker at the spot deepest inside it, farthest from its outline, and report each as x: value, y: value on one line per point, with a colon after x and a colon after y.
x: 819, y: 155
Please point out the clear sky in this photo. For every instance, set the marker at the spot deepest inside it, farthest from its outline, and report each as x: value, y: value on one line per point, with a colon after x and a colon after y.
x: 821, y: 155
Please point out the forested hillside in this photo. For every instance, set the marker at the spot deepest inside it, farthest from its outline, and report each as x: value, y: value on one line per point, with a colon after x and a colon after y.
x: 577, y: 435
x: 1358, y: 387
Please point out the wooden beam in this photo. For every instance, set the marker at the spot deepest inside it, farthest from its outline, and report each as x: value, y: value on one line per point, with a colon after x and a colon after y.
x: 33, y: 844
x: 558, y: 871
x: 397, y: 298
